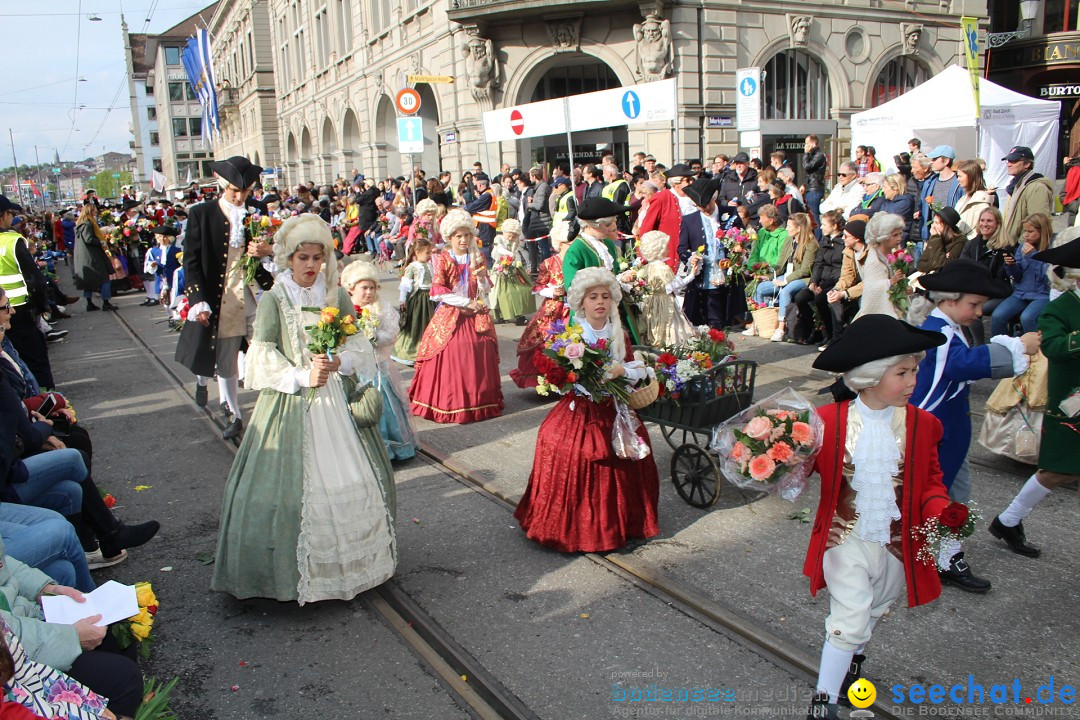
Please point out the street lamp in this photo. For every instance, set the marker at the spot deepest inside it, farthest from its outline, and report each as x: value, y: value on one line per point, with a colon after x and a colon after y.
x: 1029, y: 10
x: 93, y: 18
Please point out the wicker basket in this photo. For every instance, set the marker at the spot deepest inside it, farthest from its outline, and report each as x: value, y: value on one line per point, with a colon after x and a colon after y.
x: 766, y: 320
x: 645, y: 396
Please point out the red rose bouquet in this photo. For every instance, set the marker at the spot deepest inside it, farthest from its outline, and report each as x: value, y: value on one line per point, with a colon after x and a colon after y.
x: 771, y: 445
x: 568, y: 363
x: 940, y: 536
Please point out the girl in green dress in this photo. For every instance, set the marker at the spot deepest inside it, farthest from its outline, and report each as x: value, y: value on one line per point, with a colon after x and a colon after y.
x: 513, y: 298
x: 309, y: 502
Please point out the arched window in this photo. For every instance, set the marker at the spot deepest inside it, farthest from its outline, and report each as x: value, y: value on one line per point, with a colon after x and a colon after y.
x: 795, y: 86
x: 896, y: 78
x: 583, y: 76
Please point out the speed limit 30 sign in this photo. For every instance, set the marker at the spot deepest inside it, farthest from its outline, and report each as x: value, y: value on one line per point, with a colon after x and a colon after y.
x: 407, y: 101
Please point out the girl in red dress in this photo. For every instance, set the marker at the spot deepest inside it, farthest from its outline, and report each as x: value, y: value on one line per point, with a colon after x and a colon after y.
x: 582, y: 497
x: 549, y: 285
x: 457, y: 376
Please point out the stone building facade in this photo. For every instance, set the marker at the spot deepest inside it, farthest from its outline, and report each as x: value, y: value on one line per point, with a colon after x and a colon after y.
x: 338, y: 65
x: 242, y: 54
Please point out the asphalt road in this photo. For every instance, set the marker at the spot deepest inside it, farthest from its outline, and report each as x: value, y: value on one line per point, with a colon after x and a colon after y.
x: 558, y: 631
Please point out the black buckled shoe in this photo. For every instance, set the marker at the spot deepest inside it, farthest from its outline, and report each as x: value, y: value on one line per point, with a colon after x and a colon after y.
x: 822, y: 709
x: 959, y: 575
x: 233, y: 429
x: 854, y: 673
x: 1015, y: 538
x: 200, y: 395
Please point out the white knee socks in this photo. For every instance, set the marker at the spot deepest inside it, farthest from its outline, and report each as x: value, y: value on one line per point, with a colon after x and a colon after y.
x: 202, y: 380
x: 1029, y: 496
x: 834, y: 666
x: 229, y: 390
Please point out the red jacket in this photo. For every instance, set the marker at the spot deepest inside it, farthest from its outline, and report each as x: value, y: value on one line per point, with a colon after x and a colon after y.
x: 665, y: 214
x: 923, y: 496
x: 1072, y: 184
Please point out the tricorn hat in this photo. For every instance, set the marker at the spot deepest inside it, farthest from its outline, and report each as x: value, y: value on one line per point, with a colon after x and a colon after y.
x: 595, y: 208
x: 167, y: 229
x: 238, y: 170
x: 966, y: 276
x: 873, y: 337
x: 1067, y: 255
x: 679, y: 170
x: 701, y: 191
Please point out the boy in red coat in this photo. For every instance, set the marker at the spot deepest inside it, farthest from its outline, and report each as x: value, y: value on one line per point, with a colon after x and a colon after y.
x: 879, y: 479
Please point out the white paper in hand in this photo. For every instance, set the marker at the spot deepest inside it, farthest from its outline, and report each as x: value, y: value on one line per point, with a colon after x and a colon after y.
x: 113, y: 601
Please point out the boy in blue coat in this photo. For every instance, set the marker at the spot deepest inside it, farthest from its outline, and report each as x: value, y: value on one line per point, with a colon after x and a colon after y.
x: 957, y: 294
x: 163, y: 259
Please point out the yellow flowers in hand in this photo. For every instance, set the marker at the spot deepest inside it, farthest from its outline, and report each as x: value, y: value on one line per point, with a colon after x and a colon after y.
x: 144, y: 593
x: 328, y: 314
x: 140, y: 631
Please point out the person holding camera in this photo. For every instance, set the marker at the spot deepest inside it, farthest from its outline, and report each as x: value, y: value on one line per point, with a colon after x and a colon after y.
x: 989, y: 248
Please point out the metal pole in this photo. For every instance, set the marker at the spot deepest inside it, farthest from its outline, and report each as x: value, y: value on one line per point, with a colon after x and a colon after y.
x: 18, y: 184
x: 41, y: 187
x: 569, y: 140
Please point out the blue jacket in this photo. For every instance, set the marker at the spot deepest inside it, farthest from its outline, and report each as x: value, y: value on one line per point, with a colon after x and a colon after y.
x: 904, y: 206
x: 1029, y: 277
x: 925, y: 214
x: 942, y: 387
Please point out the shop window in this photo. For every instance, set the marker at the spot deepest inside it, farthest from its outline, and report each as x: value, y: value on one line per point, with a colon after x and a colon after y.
x: 795, y: 86
x: 896, y: 78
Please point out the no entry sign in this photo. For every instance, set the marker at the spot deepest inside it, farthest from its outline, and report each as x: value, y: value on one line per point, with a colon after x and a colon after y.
x: 517, y: 122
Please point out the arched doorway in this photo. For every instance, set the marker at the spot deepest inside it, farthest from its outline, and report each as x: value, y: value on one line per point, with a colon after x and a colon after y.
x: 430, y: 160
x: 796, y: 100
x: 292, y: 158
x: 307, y: 153
x: 329, y: 152
x: 897, y: 77
x: 389, y: 159
x: 573, y: 74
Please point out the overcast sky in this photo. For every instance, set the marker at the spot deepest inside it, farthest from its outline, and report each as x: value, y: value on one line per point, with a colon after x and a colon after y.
x: 47, y: 46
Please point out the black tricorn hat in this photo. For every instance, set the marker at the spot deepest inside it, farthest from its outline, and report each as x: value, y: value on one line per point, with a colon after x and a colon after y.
x: 167, y: 229
x: 701, y: 191
x: 966, y: 276
x: 129, y: 204
x: 873, y: 337
x: 595, y: 208
x: 1067, y: 255
x: 238, y: 170
x: 679, y: 170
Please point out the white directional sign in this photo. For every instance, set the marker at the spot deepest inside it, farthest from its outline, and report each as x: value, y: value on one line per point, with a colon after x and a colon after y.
x: 410, y: 133
x: 632, y: 105
x: 748, y: 98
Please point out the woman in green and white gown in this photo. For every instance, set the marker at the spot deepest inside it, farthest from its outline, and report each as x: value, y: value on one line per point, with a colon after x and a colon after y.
x: 309, y: 503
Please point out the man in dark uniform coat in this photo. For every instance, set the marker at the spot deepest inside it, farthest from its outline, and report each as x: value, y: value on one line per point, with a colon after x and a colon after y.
x: 222, y: 307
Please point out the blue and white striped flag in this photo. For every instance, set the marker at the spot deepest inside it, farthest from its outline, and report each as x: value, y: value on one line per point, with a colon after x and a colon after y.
x: 200, y: 71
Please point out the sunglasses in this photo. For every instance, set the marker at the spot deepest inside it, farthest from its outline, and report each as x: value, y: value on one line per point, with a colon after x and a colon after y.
x: 5, y: 308
x: 845, y: 174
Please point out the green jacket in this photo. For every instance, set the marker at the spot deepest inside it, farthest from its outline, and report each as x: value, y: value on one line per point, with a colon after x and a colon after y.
x: 800, y: 269
x: 1059, y: 324
x: 580, y: 255
x: 49, y: 643
x: 767, y: 246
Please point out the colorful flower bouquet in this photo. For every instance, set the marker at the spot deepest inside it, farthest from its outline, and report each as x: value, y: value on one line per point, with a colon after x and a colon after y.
x: 366, y: 321
x: 677, y: 366
x: 507, y: 267
x: 735, y: 241
x: 137, y: 628
x: 182, y: 308
x: 568, y: 363
x: 635, y: 289
x: 940, y: 536
x: 759, y: 269
x: 771, y: 445
x: 901, y: 259
x: 259, y: 228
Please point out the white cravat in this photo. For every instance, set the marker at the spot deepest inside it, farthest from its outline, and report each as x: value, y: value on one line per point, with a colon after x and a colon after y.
x: 877, y: 460
x: 236, y: 217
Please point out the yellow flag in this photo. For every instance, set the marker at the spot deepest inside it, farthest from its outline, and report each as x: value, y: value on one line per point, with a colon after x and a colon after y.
x: 970, y: 28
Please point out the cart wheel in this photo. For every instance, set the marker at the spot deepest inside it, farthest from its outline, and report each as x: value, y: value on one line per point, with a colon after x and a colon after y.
x: 695, y: 475
x: 676, y: 437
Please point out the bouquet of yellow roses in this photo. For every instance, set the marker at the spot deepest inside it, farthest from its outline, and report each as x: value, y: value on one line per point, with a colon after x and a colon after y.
x: 137, y: 628
x: 329, y: 334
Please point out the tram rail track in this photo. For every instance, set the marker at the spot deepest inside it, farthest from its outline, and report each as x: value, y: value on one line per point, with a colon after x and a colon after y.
x: 474, y: 686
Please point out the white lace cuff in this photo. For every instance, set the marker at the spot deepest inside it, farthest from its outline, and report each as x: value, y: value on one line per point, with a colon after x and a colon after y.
x: 267, y: 368
x: 452, y: 299
x: 346, y: 367
x: 548, y: 292
x: 301, y: 377
x: 193, y: 312
x: 1016, y: 349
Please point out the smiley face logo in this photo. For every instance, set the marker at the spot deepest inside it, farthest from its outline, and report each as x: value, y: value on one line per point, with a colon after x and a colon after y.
x: 862, y: 693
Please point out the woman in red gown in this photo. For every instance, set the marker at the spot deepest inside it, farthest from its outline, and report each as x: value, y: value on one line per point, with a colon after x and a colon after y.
x: 457, y: 376
x: 583, y: 497
x: 549, y: 285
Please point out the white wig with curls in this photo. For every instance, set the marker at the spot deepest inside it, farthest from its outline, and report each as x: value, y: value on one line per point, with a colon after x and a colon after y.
x: 455, y: 220
x: 585, y: 280
x: 307, y: 229
x: 654, y: 245
x: 358, y: 271
x: 426, y: 205
x: 869, y: 374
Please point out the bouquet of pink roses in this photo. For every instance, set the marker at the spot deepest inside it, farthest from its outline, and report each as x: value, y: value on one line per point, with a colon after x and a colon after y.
x: 901, y: 259
x: 771, y: 445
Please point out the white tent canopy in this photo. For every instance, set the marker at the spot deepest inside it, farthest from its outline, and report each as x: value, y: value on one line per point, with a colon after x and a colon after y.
x: 941, y: 111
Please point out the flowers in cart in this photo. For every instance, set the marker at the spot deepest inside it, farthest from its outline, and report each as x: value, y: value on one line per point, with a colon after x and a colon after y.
x: 678, y: 366
x: 771, y: 445
x: 901, y: 259
x: 939, y: 537
x: 570, y: 364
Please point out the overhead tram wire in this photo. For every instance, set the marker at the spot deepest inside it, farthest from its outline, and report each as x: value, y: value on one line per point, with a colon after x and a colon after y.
x: 75, y: 101
x: 112, y: 106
